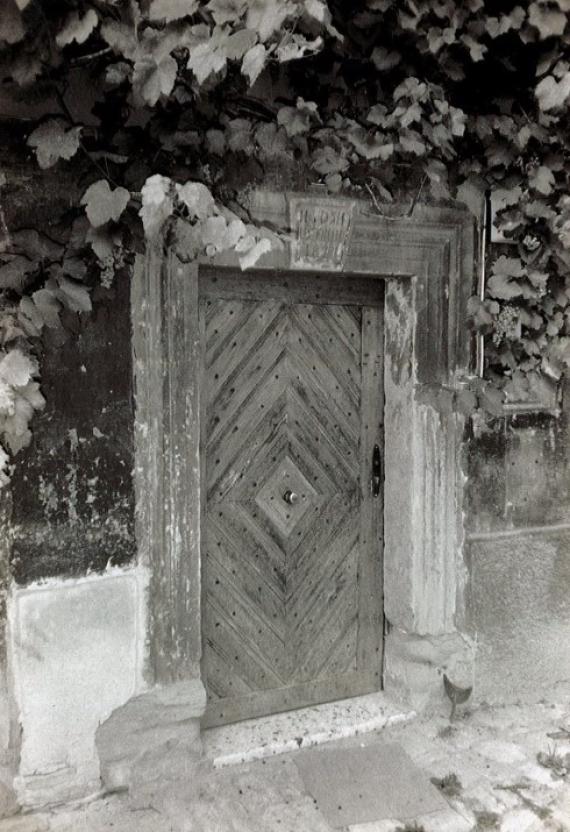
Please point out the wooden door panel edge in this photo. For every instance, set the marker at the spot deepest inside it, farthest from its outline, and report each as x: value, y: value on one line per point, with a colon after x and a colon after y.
x: 278, y: 700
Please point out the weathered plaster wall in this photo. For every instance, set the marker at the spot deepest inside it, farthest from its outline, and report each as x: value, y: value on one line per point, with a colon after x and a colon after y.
x: 73, y: 503
x: 72, y: 648
x: 76, y: 654
x: 518, y: 555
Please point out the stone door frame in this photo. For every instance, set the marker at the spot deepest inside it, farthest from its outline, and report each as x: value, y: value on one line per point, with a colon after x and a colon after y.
x: 428, y: 263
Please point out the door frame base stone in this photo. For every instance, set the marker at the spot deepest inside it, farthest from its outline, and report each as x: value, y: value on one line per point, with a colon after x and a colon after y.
x: 427, y: 261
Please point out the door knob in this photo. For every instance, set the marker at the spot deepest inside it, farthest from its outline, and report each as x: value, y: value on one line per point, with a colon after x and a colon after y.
x: 290, y: 497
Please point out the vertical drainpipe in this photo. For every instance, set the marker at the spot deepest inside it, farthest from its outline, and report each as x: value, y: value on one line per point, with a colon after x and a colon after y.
x: 485, y: 234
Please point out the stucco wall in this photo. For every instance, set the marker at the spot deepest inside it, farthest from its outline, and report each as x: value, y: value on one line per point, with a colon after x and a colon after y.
x: 76, y: 653
x: 72, y: 492
x: 518, y: 555
x: 72, y: 602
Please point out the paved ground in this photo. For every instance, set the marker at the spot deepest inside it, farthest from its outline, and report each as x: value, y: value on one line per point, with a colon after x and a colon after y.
x: 498, y: 768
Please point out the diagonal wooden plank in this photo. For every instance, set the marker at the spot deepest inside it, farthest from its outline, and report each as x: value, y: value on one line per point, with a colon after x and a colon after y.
x: 311, y: 467
x: 256, y: 668
x: 346, y: 324
x: 248, y: 565
x: 256, y: 396
x: 261, y: 465
x: 249, y: 531
x: 244, y: 363
x: 325, y: 625
x: 236, y: 396
x: 340, y: 655
x: 224, y: 673
x: 232, y: 454
x: 335, y: 422
x: 306, y: 428
x: 335, y: 522
x: 222, y: 329
x: 252, y: 621
x: 335, y: 331
x: 316, y: 358
x: 327, y: 571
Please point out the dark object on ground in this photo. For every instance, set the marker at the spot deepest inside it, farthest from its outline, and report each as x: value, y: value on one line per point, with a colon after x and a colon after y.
x: 450, y: 785
x: 456, y: 695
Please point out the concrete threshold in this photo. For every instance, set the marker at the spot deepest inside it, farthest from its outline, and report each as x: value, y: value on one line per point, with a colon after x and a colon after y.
x: 254, y: 739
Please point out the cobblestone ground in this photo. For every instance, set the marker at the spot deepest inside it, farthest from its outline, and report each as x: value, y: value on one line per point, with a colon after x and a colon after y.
x: 500, y: 769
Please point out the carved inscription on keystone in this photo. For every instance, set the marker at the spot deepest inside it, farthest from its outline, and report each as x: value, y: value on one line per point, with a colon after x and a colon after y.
x: 321, y: 230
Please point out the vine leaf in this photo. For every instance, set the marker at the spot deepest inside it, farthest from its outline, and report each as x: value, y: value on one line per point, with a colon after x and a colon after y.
x: 411, y: 142
x: 506, y: 279
x: 383, y: 59
x: 53, y: 141
x: 197, y: 198
x: 4, y: 467
x: 253, y: 62
x: 207, y: 58
x: 553, y: 94
x: 103, y: 204
x: 214, y: 232
x: 17, y: 369
x: 74, y: 295
x: 549, y: 22
x: 298, y: 46
x: 297, y: 120
x: 472, y: 193
x: 14, y: 272
x: 11, y: 26
x: 157, y: 203
x: 253, y: 254
x: 170, y: 10
x: 543, y: 180
x: 77, y: 28
x: 326, y: 160
x: 266, y: 16
x: 320, y: 11
x: 476, y: 50
x: 226, y: 11
x: 19, y: 397
x: 48, y: 307
x: 239, y: 43
x: 370, y: 145
x: 121, y: 38
x: 152, y: 79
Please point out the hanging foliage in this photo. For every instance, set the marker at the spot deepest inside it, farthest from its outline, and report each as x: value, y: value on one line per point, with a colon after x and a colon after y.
x: 164, y: 98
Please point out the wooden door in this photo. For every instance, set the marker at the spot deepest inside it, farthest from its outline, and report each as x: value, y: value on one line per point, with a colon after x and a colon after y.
x: 292, y: 408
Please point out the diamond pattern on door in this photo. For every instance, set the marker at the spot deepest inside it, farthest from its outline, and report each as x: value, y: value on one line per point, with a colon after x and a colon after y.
x: 284, y: 509
x: 285, y: 496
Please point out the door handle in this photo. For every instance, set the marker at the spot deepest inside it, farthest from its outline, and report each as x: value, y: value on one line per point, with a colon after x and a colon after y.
x: 290, y: 497
x: 376, y: 471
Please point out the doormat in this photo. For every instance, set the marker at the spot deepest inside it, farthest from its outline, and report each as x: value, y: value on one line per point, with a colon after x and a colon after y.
x: 362, y: 785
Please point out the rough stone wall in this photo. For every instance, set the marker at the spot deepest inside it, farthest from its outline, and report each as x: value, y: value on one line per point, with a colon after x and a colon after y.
x: 518, y: 554
x: 73, y: 502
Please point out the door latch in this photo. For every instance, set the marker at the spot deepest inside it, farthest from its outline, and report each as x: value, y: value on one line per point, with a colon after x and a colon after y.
x: 376, y: 471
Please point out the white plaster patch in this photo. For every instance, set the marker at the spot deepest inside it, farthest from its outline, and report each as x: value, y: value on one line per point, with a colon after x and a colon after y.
x: 76, y: 654
x: 254, y: 739
x: 520, y: 820
x: 541, y: 775
x: 502, y: 752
